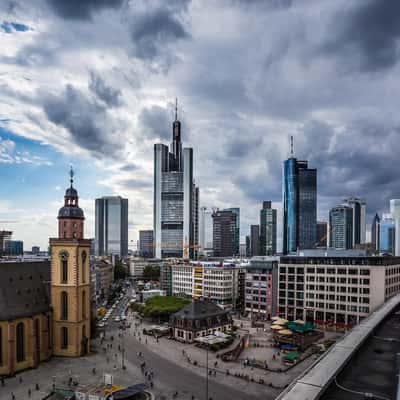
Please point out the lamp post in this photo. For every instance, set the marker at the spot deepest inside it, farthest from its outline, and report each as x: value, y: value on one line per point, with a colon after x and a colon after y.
x: 207, y: 372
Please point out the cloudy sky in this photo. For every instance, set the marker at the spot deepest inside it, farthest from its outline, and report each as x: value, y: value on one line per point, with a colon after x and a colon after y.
x: 92, y: 83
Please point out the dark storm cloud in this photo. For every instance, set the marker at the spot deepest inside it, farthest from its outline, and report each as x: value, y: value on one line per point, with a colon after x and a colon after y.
x: 85, y: 119
x: 155, y: 29
x: 369, y: 33
x: 129, y: 167
x: 154, y: 122
x: 135, y: 183
x: 110, y: 96
x: 81, y: 9
x: 353, y: 162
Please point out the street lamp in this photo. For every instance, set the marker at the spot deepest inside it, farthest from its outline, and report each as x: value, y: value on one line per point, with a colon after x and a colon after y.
x: 207, y: 372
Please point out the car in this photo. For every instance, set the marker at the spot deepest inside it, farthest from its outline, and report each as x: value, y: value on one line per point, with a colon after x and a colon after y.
x: 117, y: 319
x: 123, y: 317
x: 101, y: 325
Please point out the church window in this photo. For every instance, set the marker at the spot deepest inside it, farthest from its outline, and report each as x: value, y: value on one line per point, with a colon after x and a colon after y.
x: 64, y: 305
x: 64, y: 337
x: 20, y: 342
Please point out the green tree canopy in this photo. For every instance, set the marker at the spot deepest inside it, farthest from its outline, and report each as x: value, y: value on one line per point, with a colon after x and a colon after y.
x: 163, y: 306
x: 151, y: 272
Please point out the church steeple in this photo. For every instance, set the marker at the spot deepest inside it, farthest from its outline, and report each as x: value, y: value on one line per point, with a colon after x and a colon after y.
x: 71, y: 217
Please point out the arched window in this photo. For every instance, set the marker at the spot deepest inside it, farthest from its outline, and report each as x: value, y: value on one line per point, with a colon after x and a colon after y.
x: 37, y: 334
x: 84, y: 256
x: 20, y: 342
x: 64, y: 305
x: 64, y: 266
x: 64, y: 337
x: 83, y: 305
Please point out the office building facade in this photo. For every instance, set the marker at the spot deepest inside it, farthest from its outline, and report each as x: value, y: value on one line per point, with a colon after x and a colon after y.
x: 322, y: 234
x: 335, y: 292
x: 268, y: 230
x: 146, y: 244
x: 387, y: 235
x: 255, y: 240
x: 215, y: 281
x: 224, y: 233
x: 375, y: 232
x: 395, y: 212
x: 359, y: 219
x: 236, y: 211
x: 111, y: 226
x: 299, y: 205
x: 341, y: 227
x: 14, y: 247
x: 205, y: 231
x: 261, y: 288
x: 176, y: 199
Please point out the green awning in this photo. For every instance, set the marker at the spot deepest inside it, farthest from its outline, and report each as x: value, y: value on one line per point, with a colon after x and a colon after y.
x: 291, y: 356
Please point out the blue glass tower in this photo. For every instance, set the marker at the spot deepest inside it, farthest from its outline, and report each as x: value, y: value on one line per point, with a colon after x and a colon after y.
x: 299, y: 206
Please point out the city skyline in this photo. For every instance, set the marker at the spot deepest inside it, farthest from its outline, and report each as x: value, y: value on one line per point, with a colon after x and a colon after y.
x: 104, y: 115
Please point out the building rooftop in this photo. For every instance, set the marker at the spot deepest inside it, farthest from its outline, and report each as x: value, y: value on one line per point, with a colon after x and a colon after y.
x: 199, y: 309
x: 24, y: 289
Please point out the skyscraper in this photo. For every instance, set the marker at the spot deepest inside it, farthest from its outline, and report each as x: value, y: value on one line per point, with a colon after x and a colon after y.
x: 341, y: 227
x: 255, y: 240
x: 299, y: 205
x: 111, y: 226
x: 322, y: 233
x: 359, y: 219
x: 395, y: 211
x: 268, y: 224
x: 205, y: 231
x: 387, y: 234
x: 375, y: 232
x: 224, y: 233
x: 146, y: 243
x: 236, y: 210
x: 175, y: 209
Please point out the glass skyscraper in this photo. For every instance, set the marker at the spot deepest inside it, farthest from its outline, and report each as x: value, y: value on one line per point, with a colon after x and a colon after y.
x: 341, y: 227
x: 268, y: 218
x: 176, y: 198
x: 359, y: 219
x: 111, y: 226
x: 236, y: 211
x: 299, y: 206
x: 387, y: 234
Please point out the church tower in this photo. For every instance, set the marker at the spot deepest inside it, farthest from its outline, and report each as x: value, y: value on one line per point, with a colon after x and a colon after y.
x: 70, y: 280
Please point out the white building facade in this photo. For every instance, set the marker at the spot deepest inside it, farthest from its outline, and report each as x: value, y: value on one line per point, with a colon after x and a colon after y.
x: 335, y: 292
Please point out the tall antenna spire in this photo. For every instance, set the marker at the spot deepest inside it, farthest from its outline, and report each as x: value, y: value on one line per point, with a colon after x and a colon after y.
x: 176, y: 109
x: 71, y: 175
x: 291, y: 146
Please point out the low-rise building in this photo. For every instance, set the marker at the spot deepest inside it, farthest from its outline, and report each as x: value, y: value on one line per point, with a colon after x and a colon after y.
x: 335, y: 292
x: 199, y: 319
x: 143, y: 295
x: 102, y: 278
x: 261, y: 287
x: 213, y: 280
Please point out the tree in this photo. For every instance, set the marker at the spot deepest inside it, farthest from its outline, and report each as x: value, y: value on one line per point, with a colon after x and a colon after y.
x: 162, y: 307
x: 120, y: 271
x: 151, y: 272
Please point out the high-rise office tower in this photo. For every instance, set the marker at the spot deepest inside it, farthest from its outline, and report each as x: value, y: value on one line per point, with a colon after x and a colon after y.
x: 341, y: 227
x: 236, y: 210
x: 248, y: 246
x: 111, y: 226
x: 268, y: 226
x: 322, y: 234
x: 224, y: 233
x: 299, y: 205
x: 146, y: 243
x: 175, y: 208
x: 255, y: 240
x: 375, y: 232
x: 395, y: 211
x: 359, y: 219
x: 387, y: 234
x: 206, y: 231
